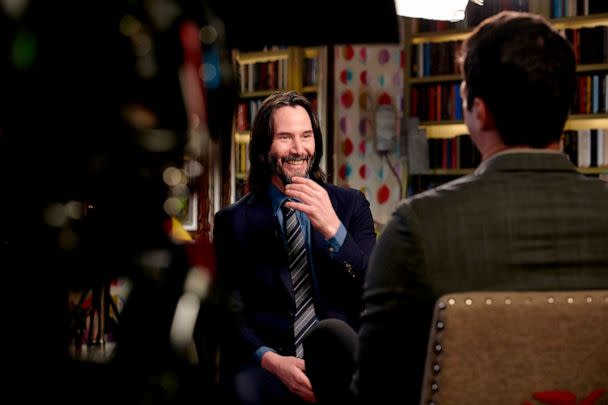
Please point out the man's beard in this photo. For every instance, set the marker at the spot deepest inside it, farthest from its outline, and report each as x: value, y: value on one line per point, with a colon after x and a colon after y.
x: 277, y: 169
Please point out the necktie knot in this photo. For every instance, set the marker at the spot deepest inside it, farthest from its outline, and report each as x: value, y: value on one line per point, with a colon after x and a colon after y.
x: 285, y: 209
x: 290, y: 220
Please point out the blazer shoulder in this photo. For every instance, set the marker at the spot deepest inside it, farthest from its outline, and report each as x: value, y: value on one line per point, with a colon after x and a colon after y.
x: 233, y: 209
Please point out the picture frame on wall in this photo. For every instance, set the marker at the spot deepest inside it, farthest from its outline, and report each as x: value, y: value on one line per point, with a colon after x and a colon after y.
x: 188, y: 216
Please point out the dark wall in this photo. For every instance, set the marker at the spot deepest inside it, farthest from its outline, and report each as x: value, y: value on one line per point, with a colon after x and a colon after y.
x: 254, y: 24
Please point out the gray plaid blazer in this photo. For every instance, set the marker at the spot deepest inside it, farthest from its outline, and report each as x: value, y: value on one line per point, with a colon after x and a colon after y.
x: 521, y: 221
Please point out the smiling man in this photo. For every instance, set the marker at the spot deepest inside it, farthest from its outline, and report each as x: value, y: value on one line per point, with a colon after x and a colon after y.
x: 291, y: 252
x: 293, y: 146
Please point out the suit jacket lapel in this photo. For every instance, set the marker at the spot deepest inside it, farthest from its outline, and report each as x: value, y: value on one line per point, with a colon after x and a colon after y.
x: 260, y: 219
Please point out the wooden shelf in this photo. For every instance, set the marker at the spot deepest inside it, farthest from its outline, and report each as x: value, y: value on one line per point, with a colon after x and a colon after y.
x: 311, y: 53
x: 583, y: 21
x: 310, y: 89
x: 440, y: 36
x: 263, y: 56
x: 435, y: 79
x: 587, y: 121
x: 593, y: 170
x: 592, y: 67
x: 449, y: 129
x: 259, y: 93
x: 444, y: 129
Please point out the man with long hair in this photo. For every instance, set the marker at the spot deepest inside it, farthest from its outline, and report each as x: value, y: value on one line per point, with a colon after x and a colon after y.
x: 276, y: 287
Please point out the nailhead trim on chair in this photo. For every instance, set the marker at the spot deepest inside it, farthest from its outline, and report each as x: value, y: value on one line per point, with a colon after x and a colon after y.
x: 440, y: 325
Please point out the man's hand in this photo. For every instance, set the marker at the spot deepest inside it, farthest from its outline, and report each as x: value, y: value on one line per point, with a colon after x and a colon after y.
x: 315, y: 203
x: 290, y: 370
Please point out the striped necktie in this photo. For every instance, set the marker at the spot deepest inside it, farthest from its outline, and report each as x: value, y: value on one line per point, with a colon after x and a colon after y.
x: 297, y: 259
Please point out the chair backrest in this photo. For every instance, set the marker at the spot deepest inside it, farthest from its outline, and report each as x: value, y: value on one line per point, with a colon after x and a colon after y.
x: 518, y: 348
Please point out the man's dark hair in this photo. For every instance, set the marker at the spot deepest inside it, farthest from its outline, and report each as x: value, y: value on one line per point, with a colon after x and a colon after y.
x: 262, y: 132
x: 525, y: 72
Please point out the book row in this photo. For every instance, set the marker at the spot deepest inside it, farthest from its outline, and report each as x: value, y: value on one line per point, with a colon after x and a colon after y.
x: 439, y: 58
x: 263, y: 75
x: 586, y: 147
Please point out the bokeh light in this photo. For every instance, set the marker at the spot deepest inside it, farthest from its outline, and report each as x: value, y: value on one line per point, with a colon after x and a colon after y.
x: 208, y: 34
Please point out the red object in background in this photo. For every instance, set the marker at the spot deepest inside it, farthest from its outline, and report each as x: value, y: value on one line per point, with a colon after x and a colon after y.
x: 383, y: 194
x: 555, y: 397
x: 347, y: 147
x: 363, y: 77
x: 347, y: 98
x: 566, y: 397
x: 363, y: 171
x: 362, y: 147
x: 192, y: 85
x: 363, y: 54
x: 348, y: 52
x: 385, y: 99
x: 592, y: 398
x: 344, y: 76
x: 201, y: 254
x: 200, y: 250
x: 342, y: 172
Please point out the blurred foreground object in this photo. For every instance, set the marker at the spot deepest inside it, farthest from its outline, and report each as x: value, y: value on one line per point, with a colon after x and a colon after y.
x: 93, y: 111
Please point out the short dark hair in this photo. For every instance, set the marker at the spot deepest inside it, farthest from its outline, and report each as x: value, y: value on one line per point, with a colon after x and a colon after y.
x: 262, y: 132
x: 525, y: 72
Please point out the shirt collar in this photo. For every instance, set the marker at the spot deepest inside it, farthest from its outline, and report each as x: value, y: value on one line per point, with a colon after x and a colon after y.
x: 517, y: 159
x: 276, y: 197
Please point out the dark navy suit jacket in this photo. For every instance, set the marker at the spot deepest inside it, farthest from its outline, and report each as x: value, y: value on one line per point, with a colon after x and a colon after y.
x: 254, y: 277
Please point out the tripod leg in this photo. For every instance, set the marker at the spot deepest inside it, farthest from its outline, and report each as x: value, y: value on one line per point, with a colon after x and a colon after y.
x: 102, y: 317
x: 95, y: 317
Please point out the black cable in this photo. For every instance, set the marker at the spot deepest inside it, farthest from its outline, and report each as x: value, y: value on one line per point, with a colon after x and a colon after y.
x: 388, y: 161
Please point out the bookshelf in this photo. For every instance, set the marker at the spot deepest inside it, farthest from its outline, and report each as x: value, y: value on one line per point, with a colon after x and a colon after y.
x: 260, y: 74
x: 431, y: 90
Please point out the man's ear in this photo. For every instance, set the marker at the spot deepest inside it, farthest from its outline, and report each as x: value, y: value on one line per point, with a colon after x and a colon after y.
x: 483, y: 115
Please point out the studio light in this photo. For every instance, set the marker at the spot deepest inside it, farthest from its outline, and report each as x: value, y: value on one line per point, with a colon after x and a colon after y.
x: 449, y: 10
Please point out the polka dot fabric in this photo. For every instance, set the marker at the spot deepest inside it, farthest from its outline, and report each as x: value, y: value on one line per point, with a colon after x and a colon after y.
x: 367, y: 76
